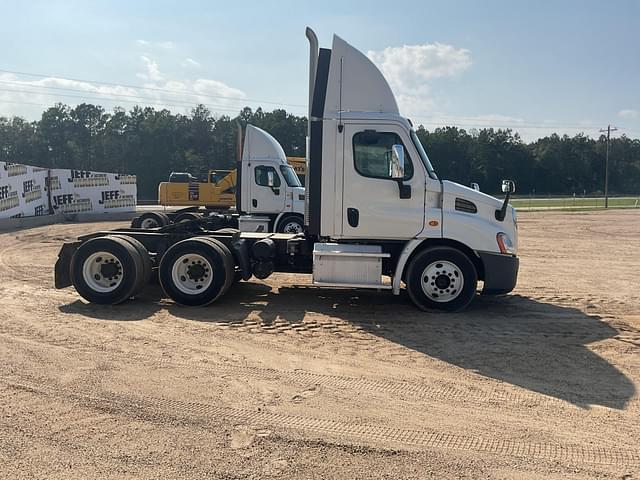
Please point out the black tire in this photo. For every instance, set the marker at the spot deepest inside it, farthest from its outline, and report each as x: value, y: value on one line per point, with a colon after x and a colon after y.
x: 448, y: 268
x: 287, y: 222
x: 127, y: 269
x: 187, y: 216
x: 214, y: 264
x: 228, y: 259
x: 151, y: 220
x: 147, y: 264
x: 237, y: 276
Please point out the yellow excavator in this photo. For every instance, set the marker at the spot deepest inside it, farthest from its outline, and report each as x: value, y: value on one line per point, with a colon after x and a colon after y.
x: 218, y: 192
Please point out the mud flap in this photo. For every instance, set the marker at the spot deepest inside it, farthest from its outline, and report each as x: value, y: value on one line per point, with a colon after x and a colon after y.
x: 240, y: 250
x: 62, y: 270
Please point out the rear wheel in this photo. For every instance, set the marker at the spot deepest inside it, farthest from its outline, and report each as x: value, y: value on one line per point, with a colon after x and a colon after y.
x: 195, y: 271
x: 106, y: 270
x: 228, y: 261
x: 441, y: 278
x: 291, y: 224
x: 187, y: 216
x: 147, y: 265
x: 150, y: 220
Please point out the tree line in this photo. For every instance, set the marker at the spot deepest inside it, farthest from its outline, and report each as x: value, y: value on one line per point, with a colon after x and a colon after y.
x: 151, y: 143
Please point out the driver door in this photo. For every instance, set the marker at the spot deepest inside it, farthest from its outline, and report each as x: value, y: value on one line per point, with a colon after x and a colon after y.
x: 263, y: 198
x: 372, y: 207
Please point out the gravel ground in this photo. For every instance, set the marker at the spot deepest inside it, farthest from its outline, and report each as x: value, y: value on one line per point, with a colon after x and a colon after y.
x: 284, y: 381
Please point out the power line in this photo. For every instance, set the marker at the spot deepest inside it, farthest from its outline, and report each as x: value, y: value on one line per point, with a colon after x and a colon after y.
x: 153, y: 89
x: 78, y: 90
x: 155, y: 103
x: 497, y: 125
x: 140, y: 100
x: 229, y: 110
x: 445, y: 118
x: 478, y: 121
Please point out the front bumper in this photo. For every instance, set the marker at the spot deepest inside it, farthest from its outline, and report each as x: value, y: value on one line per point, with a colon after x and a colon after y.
x: 500, y: 272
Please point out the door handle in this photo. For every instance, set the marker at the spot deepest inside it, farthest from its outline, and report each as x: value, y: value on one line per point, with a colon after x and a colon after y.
x: 254, y: 202
x: 353, y: 217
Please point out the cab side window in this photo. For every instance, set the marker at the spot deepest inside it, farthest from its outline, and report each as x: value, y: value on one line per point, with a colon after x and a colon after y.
x: 372, y: 154
x: 262, y: 176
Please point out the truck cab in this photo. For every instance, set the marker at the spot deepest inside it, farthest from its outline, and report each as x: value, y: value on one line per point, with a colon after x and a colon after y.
x: 271, y: 195
x: 371, y: 183
x: 267, y: 193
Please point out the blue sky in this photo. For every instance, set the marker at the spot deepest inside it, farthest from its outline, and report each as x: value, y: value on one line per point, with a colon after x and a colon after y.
x: 537, y: 67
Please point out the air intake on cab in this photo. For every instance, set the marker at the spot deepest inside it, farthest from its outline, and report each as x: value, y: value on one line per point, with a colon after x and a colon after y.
x: 466, y: 206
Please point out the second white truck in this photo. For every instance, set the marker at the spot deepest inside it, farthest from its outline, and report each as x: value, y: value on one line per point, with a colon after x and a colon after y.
x: 268, y: 194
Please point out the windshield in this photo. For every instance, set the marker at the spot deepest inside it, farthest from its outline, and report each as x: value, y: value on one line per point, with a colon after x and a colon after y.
x: 290, y: 176
x: 423, y: 155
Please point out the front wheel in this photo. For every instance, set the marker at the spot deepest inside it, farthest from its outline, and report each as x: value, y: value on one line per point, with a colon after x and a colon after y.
x: 441, y: 278
x: 291, y: 224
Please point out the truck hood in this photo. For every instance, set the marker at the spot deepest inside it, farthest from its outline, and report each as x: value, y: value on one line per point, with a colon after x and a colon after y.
x: 478, y: 228
x: 453, y: 188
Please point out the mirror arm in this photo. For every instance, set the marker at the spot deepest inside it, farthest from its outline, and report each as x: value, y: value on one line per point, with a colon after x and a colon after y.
x: 500, y: 214
x: 404, y: 190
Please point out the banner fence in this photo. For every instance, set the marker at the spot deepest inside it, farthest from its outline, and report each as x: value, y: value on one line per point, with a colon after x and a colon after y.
x: 27, y: 191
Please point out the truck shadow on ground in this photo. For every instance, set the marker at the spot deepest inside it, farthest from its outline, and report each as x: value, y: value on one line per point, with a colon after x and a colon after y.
x: 515, y: 339
x: 538, y: 346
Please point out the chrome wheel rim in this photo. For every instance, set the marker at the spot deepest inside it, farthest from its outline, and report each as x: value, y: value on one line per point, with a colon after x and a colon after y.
x: 102, y: 272
x: 442, y: 281
x: 149, y: 223
x: 192, y: 273
x: 292, y: 227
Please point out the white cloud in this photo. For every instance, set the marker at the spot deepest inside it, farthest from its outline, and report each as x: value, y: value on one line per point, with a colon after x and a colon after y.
x: 165, y: 45
x: 28, y: 98
x: 409, y: 68
x: 629, y: 114
x: 153, y: 71
x: 190, y: 62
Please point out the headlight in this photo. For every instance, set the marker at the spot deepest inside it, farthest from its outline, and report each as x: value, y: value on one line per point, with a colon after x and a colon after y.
x: 505, y: 244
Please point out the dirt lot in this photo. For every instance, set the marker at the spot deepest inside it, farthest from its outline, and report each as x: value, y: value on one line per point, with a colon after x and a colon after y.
x: 282, y: 382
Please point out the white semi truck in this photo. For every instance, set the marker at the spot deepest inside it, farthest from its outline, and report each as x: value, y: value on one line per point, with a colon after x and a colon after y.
x: 261, y: 206
x: 376, y: 216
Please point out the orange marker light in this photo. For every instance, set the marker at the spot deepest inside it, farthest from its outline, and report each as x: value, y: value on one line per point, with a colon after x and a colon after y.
x: 433, y: 223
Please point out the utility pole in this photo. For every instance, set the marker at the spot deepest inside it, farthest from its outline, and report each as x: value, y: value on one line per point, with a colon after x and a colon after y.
x: 606, y: 165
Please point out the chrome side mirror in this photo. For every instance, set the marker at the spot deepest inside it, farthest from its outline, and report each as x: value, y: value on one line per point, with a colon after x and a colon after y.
x: 271, y: 181
x: 397, y: 162
x: 508, y: 186
x: 475, y: 186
